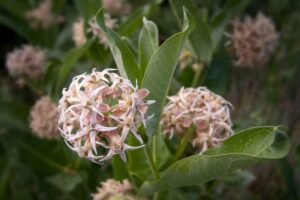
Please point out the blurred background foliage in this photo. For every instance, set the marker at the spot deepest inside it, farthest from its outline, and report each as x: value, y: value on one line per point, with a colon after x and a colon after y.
x: 32, y: 168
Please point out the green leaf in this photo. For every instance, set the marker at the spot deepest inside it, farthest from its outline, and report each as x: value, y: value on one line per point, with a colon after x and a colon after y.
x: 148, y: 43
x: 161, y: 154
x: 243, y: 149
x: 87, y: 8
x: 160, y: 71
x: 133, y: 22
x: 200, y: 38
x: 219, y: 22
x: 69, y: 61
x: 122, y: 54
x: 119, y: 168
x: 137, y: 163
x: 65, y: 182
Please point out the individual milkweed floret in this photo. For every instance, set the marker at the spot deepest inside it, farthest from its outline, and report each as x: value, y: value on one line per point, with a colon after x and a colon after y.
x: 79, y: 36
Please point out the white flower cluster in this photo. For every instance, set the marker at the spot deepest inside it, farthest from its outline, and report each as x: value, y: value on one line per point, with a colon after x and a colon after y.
x: 97, y: 113
x: 207, y: 112
x: 252, y: 41
x: 42, y: 16
x: 44, y: 118
x: 27, y: 61
x: 112, y: 189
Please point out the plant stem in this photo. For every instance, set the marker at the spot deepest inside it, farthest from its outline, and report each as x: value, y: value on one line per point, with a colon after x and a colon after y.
x: 184, y: 143
x: 151, y: 164
x: 198, y: 74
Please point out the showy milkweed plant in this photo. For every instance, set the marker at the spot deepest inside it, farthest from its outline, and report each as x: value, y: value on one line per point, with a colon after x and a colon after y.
x: 123, y: 107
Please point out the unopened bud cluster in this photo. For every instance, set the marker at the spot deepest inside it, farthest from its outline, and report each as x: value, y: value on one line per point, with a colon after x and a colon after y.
x: 27, y: 61
x: 44, y: 118
x: 252, y: 41
x: 207, y: 112
x: 97, y: 113
x: 112, y: 189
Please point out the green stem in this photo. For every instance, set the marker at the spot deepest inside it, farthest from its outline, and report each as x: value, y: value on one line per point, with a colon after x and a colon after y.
x: 151, y: 163
x: 52, y: 163
x: 198, y: 74
x: 184, y: 143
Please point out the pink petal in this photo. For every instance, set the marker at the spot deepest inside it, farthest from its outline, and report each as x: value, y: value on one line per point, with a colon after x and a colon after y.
x: 142, y: 93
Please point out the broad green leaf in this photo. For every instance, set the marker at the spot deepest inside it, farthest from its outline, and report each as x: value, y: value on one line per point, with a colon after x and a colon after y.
x: 219, y: 22
x: 65, y: 182
x: 200, y: 37
x: 243, y: 149
x: 122, y: 54
x: 69, y: 61
x: 148, y: 43
x: 160, y: 71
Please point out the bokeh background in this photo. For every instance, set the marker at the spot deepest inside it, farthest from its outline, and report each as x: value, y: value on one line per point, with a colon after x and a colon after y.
x: 35, y: 168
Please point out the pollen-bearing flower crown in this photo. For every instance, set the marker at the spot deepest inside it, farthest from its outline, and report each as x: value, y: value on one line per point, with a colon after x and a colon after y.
x: 209, y: 113
x: 97, y: 113
x: 252, y: 41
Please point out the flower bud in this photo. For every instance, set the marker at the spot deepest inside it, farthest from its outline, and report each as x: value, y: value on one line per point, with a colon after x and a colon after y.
x: 207, y: 112
x: 97, y: 113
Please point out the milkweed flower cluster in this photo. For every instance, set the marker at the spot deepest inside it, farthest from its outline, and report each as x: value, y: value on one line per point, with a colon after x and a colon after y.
x: 44, y: 118
x: 97, y: 113
x: 97, y: 32
x: 79, y: 36
x: 27, y: 61
x: 112, y: 189
x: 42, y: 16
x: 116, y: 7
x: 252, y: 41
x: 207, y: 112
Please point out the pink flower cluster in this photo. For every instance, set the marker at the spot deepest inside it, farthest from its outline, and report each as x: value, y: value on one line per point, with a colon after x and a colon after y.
x: 79, y: 33
x: 97, y: 32
x: 252, y: 41
x: 112, y: 189
x: 44, y: 118
x: 116, y: 7
x: 97, y: 113
x: 207, y: 112
x: 27, y: 61
x: 42, y: 16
